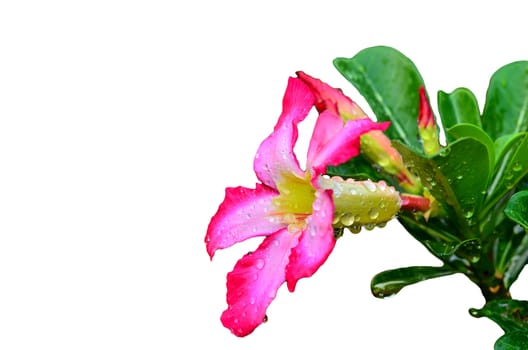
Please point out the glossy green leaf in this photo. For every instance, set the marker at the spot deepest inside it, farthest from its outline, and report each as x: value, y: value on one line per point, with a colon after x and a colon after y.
x: 511, y: 167
x: 469, y: 249
x: 389, y: 81
x: 458, y: 107
x: 517, y: 208
x: 390, y: 282
x: 463, y: 130
x: 511, y: 315
x: 358, y: 168
x: 515, y: 257
x: 517, y: 340
x: 506, y: 108
x: 457, y: 180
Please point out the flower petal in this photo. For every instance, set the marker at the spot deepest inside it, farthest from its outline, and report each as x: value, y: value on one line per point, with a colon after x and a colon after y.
x: 328, y: 124
x: 243, y: 214
x: 275, y: 155
x: 342, y: 146
x: 327, y: 97
x: 316, y: 243
x: 253, y: 283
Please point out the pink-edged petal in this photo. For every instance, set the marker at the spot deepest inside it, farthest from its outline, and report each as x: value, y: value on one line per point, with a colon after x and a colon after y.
x: 253, y: 283
x: 316, y: 243
x: 343, y: 146
x: 329, y: 98
x: 275, y: 155
x: 328, y: 124
x: 243, y: 214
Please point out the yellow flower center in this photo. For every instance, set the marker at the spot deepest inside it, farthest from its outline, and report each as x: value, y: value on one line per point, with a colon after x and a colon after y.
x: 294, y: 203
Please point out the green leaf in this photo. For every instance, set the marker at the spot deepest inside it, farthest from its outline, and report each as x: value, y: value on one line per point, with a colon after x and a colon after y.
x: 506, y: 107
x: 510, y: 314
x: 516, y: 258
x: 512, y: 341
x: 469, y: 249
x: 511, y: 167
x: 390, y: 282
x: 463, y: 130
x: 358, y: 168
x: 460, y: 106
x: 389, y: 81
x: 517, y: 208
x: 457, y: 177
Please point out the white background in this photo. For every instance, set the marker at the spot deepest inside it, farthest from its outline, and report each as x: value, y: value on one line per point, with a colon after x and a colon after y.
x: 121, y: 123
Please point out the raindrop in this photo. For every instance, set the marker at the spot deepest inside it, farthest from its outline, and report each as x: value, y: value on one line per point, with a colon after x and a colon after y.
x: 373, y: 213
x: 468, y: 214
x: 371, y: 186
x: 508, y: 176
x: 260, y: 264
x: 370, y: 226
x: 444, y: 152
x: 265, y: 319
x: 382, y: 224
x: 355, y: 228
x: 460, y: 177
x: 347, y: 219
x: 517, y: 167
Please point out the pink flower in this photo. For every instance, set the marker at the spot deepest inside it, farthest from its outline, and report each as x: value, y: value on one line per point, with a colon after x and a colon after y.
x: 289, y: 208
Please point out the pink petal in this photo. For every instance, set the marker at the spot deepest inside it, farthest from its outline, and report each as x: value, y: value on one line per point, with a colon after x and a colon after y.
x: 316, y: 243
x: 327, y: 97
x: 243, y: 214
x: 253, y: 283
x: 328, y: 124
x: 275, y: 155
x: 342, y: 146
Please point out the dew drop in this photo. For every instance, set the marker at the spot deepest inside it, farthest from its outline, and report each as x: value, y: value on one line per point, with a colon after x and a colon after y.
x: 371, y: 186
x: 468, y: 214
x: 444, y: 152
x: 460, y: 177
x: 373, y: 213
x: 382, y: 224
x: 370, y: 226
x: 260, y: 264
x: 355, y: 228
x: 517, y: 167
x: 347, y: 219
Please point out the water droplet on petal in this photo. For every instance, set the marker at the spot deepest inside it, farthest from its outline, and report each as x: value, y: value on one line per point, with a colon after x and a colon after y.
x: 259, y: 264
x: 373, y: 213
